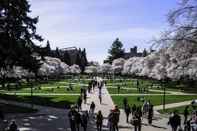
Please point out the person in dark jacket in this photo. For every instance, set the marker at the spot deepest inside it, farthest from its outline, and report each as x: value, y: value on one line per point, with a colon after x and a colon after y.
x: 92, y: 107
x: 125, y: 102
x: 186, y: 113
x: 2, y: 117
x: 118, y: 87
x: 133, y: 110
x: 72, y: 118
x: 99, y: 121
x: 78, y: 121
x: 85, y: 96
x: 174, y: 121
x: 116, y: 116
x: 127, y: 112
x: 150, y: 114
x: 79, y: 102
x: 84, y: 120
x: 110, y: 120
x: 13, y: 126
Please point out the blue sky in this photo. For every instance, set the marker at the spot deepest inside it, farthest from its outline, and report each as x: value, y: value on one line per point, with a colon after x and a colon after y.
x: 95, y: 24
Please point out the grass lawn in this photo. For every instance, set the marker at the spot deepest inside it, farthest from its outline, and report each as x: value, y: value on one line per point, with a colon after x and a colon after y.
x: 7, y: 108
x: 51, y: 87
x: 54, y: 101
x: 155, y: 100
x: 179, y: 109
x: 129, y: 91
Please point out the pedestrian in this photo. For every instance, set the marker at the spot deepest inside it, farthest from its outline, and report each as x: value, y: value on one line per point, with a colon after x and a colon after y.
x: 150, y: 114
x: 82, y: 90
x: 89, y: 88
x: 79, y: 102
x: 2, y: 117
x: 100, y: 97
x: 133, y: 109
x: 72, y: 118
x: 92, y: 107
x: 125, y: 102
x: 99, y: 121
x: 186, y: 113
x: 13, y: 126
x: 84, y: 120
x: 85, y: 96
x: 174, y: 121
x: 139, y: 118
x: 116, y: 116
x: 145, y: 107
x: 127, y: 112
x: 135, y: 122
x: 78, y: 121
x: 110, y: 120
x: 137, y: 84
x: 118, y: 89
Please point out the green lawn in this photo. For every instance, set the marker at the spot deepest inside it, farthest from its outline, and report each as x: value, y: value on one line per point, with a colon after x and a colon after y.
x: 130, y: 91
x: 50, y: 87
x: 155, y: 100
x: 54, y: 101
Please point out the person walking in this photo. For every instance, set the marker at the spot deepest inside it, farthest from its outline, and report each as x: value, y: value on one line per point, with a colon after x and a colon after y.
x: 2, y: 117
x: 116, y: 116
x: 118, y: 89
x: 186, y: 113
x: 110, y: 120
x: 79, y: 102
x: 100, y: 97
x: 139, y: 118
x: 99, y: 121
x: 174, y: 121
x: 125, y: 102
x: 78, y: 121
x: 84, y: 120
x: 135, y: 122
x: 13, y: 126
x: 127, y: 112
x: 85, y: 96
x: 133, y: 110
x: 150, y: 114
x: 92, y: 107
x: 72, y: 118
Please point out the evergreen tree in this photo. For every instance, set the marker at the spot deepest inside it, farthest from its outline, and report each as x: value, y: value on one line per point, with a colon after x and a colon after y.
x: 17, y: 32
x: 48, y: 49
x: 67, y: 58
x: 116, y: 51
x: 57, y: 53
x: 84, y: 56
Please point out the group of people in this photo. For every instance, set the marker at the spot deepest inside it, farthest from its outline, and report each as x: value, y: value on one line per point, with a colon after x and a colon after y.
x: 137, y: 113
x: 80, y: 119
x: 190, y: 120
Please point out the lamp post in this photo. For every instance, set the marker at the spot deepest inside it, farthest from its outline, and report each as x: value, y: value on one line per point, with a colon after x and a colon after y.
x: 31, y: 86
x: 164, y: 94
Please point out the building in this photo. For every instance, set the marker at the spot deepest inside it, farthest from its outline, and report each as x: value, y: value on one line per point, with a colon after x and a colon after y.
x: 71, y: 56
x: 134, y: 53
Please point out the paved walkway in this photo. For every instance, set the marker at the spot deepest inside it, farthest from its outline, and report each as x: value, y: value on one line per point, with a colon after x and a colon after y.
x: 173, y: 105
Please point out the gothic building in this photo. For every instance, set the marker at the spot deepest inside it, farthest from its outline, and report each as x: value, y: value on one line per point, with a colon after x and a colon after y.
x: 134, y: 53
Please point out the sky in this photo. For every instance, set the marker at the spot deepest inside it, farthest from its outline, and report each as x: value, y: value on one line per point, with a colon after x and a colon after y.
x: 95, y: 24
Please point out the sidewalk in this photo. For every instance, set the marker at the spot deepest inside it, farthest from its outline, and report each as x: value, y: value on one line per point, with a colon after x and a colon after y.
x: 173, y: 105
